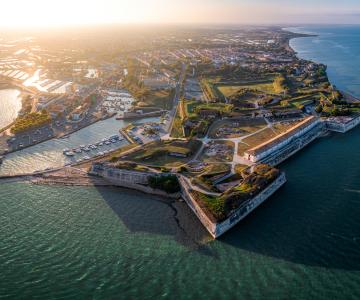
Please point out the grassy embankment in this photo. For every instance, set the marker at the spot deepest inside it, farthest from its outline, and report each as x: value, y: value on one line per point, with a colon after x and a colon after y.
x: 159, y: 153
x: 221, y: 207
x: 242, y: 126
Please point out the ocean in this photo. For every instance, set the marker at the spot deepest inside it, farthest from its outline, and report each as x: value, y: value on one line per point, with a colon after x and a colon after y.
x: 336, y: 46
x: 111, y: 243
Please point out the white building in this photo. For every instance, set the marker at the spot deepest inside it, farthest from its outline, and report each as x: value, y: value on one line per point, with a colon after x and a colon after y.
x: 279, y: 142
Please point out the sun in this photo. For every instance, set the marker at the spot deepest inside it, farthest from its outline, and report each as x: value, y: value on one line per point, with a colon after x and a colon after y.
x: 45, y: 13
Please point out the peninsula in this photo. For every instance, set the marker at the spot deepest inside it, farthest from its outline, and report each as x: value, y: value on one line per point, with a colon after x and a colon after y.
x: 229, y: 106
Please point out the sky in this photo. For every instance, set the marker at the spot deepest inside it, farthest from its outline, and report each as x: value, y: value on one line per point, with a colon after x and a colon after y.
x: 44, y: 13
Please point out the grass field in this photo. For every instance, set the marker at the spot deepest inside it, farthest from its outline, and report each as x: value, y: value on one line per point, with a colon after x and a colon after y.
x: 157, y: 153
x: 246, y: 126
x: 162, y: 99
x: 191, y: 107
x: 211, y: 91
x: 215, y: 169
x: 229, y: 90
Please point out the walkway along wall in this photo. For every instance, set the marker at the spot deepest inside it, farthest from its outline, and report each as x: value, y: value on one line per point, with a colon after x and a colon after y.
x: 135, y: 180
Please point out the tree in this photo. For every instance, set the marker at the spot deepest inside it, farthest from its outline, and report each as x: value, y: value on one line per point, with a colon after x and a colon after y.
x: 319, y: 108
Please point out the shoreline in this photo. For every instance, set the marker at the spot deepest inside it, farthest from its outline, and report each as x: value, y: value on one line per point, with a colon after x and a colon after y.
x: 72, y: 176
x: 348, y: 94
x: 60, y: 136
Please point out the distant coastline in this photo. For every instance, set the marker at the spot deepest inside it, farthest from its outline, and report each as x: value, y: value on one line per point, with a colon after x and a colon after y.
x: 334, y: 47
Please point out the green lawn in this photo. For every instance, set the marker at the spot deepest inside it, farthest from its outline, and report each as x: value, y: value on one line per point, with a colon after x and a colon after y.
x: 246, y: 126
x: 162, y: 99
x: 191, y: 108
x: 264, y: 87
x: 157, y: 153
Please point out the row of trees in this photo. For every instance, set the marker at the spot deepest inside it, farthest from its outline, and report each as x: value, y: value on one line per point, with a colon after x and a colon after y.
x: 168, y: 183
x: 334, y: 105
x: 31, y: 121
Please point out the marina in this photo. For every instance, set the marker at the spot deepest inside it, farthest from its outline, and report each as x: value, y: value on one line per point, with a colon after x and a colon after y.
x: 93, y: 150
x: 50, y: 154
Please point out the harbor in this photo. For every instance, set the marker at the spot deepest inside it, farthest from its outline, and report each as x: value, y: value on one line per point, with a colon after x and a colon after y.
x: 49, y: 154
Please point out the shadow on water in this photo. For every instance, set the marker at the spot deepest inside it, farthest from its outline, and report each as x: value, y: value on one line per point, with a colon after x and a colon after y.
x: 314, y: 219
x: 141, y: 212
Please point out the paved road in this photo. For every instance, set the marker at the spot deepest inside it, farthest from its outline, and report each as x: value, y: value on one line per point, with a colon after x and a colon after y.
x: 186, y: 183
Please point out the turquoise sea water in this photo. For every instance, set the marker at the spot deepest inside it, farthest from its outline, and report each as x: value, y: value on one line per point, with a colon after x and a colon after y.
x: 108, y: 243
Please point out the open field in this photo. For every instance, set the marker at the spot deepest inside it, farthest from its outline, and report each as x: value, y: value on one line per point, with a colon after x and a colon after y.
x: 161, y: 98
x: 211, y: 91
x: 229, y: 90
x: 232, y: 128
x: 215, y: 169
x: 300, y: 101
x: 165, y: 154
x: 192, y: 107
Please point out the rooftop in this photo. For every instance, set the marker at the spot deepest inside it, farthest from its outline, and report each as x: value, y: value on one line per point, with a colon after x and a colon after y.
x: 282, y: 137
